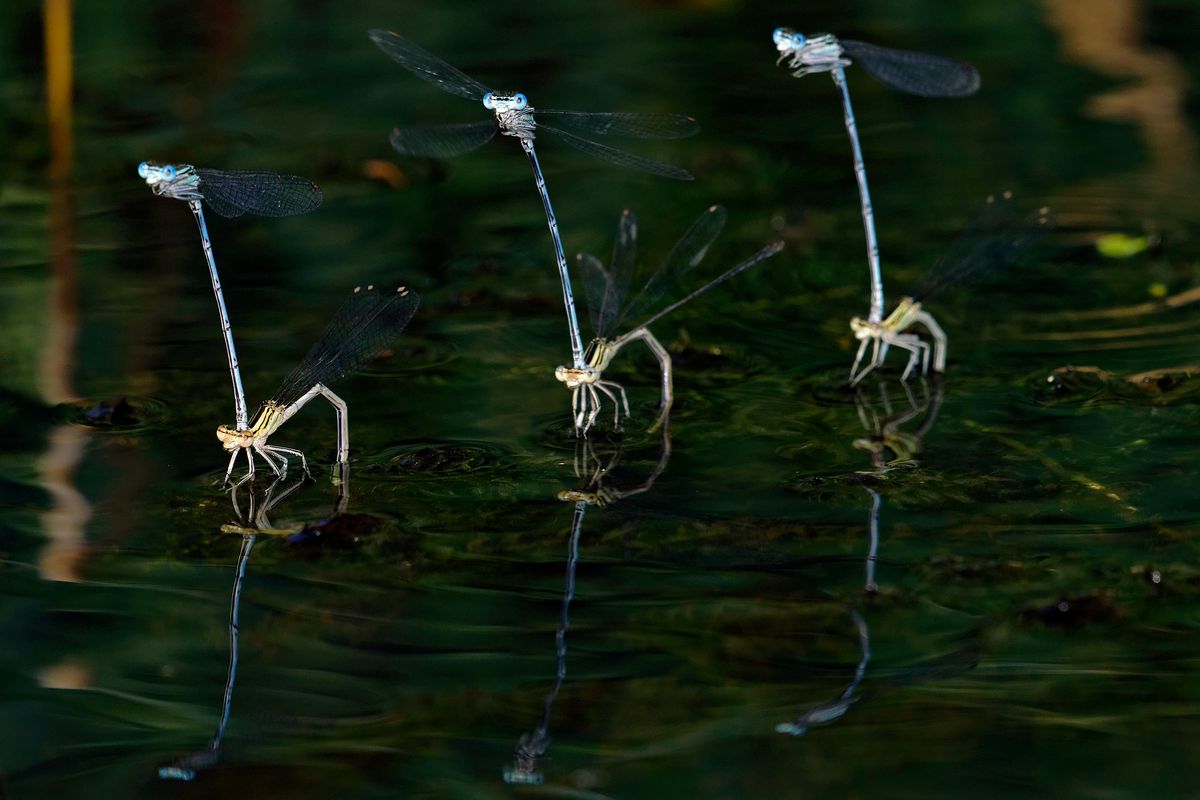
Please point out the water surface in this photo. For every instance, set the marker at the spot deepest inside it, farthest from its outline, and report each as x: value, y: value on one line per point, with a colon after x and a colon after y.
x: 1027, y: 530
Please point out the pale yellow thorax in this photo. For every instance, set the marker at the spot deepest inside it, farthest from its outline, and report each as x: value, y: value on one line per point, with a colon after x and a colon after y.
x: 902, y: 317
x: 268, y: 419
x: 598, y: 355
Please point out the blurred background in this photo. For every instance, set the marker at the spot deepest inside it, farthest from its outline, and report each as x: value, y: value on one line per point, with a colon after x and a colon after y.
x: 981, y: 585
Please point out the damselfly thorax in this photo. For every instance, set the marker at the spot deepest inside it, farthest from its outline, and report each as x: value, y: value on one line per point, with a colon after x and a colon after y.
x: 587, y: 383
x: 360, y: 330
x: 270, y: 418
x: 598, y: 355
x: 892, y: 331
x: 514, y: 115
x: 177, y: 181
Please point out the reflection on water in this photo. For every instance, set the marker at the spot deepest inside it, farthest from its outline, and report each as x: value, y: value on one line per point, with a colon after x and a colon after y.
x: 890, y: 447
x: 1024, y: 531
x: 249, y: 525
x: 888, y: 444
x: 825, y: 713
x: 532, y: 746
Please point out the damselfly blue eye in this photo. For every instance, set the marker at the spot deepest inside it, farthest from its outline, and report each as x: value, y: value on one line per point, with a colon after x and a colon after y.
x: 798, y: 40
x: 522, y: 100
x: 169, y: 172
x: 489, y: 101
x: 143, y: 169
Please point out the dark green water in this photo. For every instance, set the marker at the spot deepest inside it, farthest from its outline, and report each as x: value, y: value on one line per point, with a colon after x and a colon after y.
x: 1034, y: 628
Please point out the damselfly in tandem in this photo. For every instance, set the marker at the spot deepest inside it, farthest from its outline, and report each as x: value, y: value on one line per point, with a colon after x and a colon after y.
x: 231, y: 193
x: 362, y: 328
x: 915, y: 73
x: 996, y: 239
x: 513, y: 116
x: 607, y: 294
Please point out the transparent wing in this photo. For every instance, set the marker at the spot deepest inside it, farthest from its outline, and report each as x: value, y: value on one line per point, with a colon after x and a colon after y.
x: 995, y: 239
x: 598, y: 288
x: 426, y: 66
x: 232, y: 193
x: 622, y: 266
x: 361, y: 329
x: 608, y: 288
x: 620, y: 157
x: 442, y: 141
x: 915, y: 73
x: 687, y: 253
x: 623, y: 123
x: 757, y: 258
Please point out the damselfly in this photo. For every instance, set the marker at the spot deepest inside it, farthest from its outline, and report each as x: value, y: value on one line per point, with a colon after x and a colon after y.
x: 607, y: 292
x: 230, y: 193
x: 888, y: 443
x: 249, y: 526
x: 361, y: 329
x: 915, y: 73
x: 532, y: 746
x: 513, y: 116
x: 995, y: 240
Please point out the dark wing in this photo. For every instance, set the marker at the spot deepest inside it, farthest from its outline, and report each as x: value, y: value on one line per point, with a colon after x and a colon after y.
x: 361, y: 329
x: 232, y: 193
x: 426, y: 66
x: 442, y: 141
x: 915, y: 73
x: 760, y: 256
x: 624, y: 123
x: 995, y: 239
x: 688, y: 252
x: 620, y: 157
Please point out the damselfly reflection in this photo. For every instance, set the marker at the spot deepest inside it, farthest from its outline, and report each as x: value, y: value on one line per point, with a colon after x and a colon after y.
x: 231, y: 193
x: 833, y: 710
x: 608, y: 299
x: 514, y: 116
x: 915, y: 73
x: 996, y: 239
x: 249, y: 526
x: 888, y: 443
x: 362, y: 328
x: 532, y: 746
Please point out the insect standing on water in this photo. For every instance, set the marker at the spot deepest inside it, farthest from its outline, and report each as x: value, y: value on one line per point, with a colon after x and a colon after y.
x: 607, y: 293
x: 361, y: 329
x: 514, y: 116
x: 914, y: 73
x: 993, y: 241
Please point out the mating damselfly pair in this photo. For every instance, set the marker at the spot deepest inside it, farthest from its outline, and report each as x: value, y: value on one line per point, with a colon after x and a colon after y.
x: 361, y: 329
x: 372, y: 316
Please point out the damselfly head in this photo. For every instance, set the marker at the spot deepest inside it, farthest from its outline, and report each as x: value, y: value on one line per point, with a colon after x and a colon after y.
x: 154, y: 174
x: 862, y: 329
x: 229, y: 438
x: 173, y: 180
x: 783, y: 38
x: 574, y: 378
x: 503, y: 102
